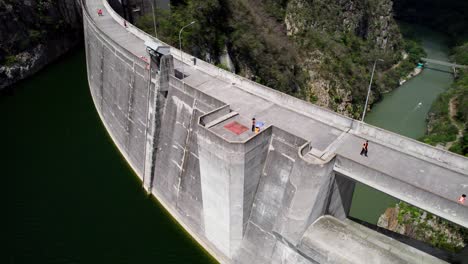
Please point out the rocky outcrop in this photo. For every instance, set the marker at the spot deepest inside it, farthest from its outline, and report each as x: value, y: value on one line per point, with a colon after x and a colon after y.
x: 370, y: 20
x: 318, y: 50
x: 421, y: 225
x: 35, y: 33
x: 339, y: 39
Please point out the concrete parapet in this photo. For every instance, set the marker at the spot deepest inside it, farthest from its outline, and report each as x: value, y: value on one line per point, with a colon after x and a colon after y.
x: 411, y: 146
x: 290, y: 139
x: 207, y: 119
x: 205, y: 102
x: 412, y: 194
x: 130, y: 28
x: 322, y: 114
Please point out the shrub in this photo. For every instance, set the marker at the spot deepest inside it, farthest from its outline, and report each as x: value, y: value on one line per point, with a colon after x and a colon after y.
x: 10, y: 60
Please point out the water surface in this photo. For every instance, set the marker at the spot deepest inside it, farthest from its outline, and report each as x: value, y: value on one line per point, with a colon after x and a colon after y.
x: 71, y: 197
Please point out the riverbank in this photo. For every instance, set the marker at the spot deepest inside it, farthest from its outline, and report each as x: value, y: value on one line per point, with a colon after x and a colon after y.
x: 416, y: 71
x: 406, y: 67
x: 446, y: 128
x: 448, y: 117
x: 404, y: 111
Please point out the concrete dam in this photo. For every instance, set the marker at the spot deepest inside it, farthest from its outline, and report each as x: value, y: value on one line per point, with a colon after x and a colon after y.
x: 278, y: 196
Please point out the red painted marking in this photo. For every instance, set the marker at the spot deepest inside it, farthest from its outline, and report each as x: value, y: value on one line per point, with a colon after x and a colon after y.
x: 236, y: 128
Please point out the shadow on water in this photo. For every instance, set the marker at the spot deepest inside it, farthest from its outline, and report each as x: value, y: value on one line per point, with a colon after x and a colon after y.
x: 71, y: 198
x: 439, y: 70
x: 455, y: 258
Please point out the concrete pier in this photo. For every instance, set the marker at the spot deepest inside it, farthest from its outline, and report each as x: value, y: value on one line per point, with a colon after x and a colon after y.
x: 279, y: 196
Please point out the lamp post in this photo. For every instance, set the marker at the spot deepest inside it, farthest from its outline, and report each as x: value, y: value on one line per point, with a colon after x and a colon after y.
x: 154, y: 19
x: 180, y: 46
x: 369, y: 89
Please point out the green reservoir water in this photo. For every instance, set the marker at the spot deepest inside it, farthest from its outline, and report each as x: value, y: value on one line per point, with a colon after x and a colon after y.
x: 70, y: 196
x: 404, y: 111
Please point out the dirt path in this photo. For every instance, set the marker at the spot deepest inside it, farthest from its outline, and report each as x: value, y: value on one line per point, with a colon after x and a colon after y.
x: 452, y: 113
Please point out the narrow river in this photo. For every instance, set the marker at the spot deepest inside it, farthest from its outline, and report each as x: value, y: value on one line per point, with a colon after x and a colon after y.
x: 404, y: 111
x: 70, y: 196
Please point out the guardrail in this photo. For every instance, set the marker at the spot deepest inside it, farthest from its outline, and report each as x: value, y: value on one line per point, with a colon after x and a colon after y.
x: 412, y: 146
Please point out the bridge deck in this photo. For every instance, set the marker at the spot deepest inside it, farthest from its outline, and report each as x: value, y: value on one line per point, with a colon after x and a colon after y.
x: 444, y: 63
x: 428, y: 183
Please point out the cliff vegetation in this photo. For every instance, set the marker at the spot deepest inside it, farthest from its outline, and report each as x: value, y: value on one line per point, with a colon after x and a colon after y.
x: 320, y: 51
x: 34, y: 33
x: 418, y: 224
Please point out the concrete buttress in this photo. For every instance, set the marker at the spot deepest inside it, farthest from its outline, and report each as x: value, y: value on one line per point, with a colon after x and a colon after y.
x: 230, y: 173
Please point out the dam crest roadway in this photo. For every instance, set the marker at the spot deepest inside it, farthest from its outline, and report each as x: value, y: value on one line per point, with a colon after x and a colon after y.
x: 280, y: 196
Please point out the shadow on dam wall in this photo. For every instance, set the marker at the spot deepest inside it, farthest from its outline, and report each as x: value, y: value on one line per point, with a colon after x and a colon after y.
x: 455, y: 258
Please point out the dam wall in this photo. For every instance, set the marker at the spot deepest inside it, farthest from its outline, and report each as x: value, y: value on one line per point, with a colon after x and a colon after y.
x: 245, y: 197
x: 119, y: 87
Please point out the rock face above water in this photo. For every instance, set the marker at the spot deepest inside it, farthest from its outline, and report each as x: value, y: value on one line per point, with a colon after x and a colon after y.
x: 34, y: 33
x: 347, y: 34
x: 418, y: 224
x: 371, y: 20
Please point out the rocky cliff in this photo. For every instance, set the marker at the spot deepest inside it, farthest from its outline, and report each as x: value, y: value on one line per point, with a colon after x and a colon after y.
x: 318, y: 50
x: 370, y: 20
x: 33, y: 33
x: 421, y: 225
x: 340, y: 39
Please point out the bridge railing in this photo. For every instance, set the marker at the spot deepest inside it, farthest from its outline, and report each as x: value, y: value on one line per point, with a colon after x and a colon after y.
x: 418, y: 195
x: 130, y: 57
x: 396, y: 141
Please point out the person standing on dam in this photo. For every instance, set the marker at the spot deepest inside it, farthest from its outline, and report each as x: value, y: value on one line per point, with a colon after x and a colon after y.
x: 364, y: 148
x: 253, y: 124
x: 462, y: 199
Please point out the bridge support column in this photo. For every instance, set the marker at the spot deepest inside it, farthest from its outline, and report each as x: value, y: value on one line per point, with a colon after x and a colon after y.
x: 230, y: 174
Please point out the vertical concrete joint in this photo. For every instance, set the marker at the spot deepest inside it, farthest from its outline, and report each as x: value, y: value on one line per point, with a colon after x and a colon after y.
x: 156, y: 103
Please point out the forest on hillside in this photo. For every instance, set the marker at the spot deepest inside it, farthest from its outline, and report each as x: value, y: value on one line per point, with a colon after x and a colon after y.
x: 323, y: 56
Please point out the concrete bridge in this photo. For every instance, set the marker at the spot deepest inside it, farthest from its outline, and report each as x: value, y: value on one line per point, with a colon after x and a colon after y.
x: 444, y: 63
x: 279, y: 196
